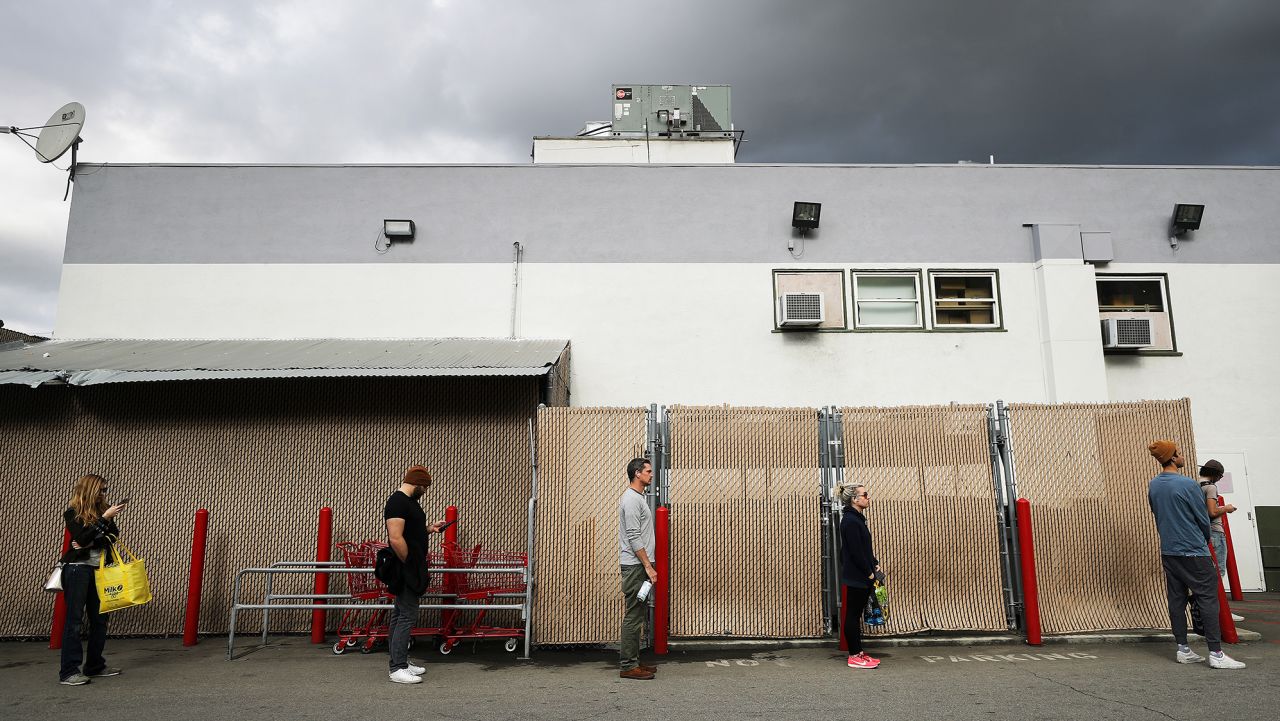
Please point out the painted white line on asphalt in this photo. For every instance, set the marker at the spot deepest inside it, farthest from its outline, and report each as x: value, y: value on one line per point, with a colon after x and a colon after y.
x: 747, y: 662
x: 1015, y: 657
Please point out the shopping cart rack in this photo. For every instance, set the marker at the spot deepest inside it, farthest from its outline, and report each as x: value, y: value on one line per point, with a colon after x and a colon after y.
x: 368, y: 627
x: 490, y: 587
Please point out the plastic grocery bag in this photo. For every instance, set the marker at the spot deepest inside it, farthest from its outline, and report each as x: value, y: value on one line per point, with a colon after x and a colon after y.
x: 123, y: 583
x: 877, y: 605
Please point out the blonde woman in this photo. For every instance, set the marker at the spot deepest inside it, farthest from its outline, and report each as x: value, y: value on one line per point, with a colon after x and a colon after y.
x: 91, y: 523
x: 858, y: 566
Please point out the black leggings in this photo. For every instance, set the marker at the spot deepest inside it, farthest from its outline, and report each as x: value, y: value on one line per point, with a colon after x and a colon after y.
x: 855, y: 603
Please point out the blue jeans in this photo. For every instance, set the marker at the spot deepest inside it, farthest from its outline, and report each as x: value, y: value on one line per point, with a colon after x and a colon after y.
x: 1219, y: 541
x: 81, y: 595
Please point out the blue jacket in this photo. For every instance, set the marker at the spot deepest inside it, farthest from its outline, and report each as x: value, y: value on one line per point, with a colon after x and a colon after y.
x: 1182, y: 518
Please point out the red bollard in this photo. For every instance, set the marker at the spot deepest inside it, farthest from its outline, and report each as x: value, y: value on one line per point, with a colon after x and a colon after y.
x: 1224, y: 609
x: 324, y: 544
x: 662, y: 602
x: 844, y: 601
x: 451, y: 547
x: 195, y: 580
x: 59, y: 603
x: 451, y: 533
x: 1233, y: 575
x: 1030, y: 594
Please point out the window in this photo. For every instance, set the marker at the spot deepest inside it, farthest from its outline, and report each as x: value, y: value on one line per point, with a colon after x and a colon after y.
x: 965, y: 299
x: 886, y: 299
x: 1137, y: 297
x: 829, y: 283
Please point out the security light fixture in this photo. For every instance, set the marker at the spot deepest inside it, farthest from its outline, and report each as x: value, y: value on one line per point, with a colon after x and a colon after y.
x: 398, y: 230
x: 805, y: 215
x: 1186, y: 216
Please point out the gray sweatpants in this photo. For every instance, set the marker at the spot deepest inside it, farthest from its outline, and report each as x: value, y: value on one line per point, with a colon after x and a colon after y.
x: 1198, y: 575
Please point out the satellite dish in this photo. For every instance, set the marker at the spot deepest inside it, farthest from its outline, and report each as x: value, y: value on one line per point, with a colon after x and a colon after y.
x: 60, y: 133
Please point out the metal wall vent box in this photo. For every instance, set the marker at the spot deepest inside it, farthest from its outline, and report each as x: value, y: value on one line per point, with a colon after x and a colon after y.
x: 1127, y: 333
x: 799, y: 310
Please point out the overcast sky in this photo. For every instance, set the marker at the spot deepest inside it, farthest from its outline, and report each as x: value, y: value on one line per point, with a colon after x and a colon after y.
x: 460, y: 81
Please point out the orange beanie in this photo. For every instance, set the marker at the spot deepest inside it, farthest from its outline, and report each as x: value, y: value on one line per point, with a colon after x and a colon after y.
x: 418, y: 476
x: 1162, y: 451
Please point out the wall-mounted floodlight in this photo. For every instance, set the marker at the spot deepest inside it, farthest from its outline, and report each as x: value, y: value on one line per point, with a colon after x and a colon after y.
x: 398, y: 230
x: 1186, y: 216
x: 805, y: 216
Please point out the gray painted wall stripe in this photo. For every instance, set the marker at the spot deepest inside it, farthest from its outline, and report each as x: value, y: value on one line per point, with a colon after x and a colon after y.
x: 680, y: 214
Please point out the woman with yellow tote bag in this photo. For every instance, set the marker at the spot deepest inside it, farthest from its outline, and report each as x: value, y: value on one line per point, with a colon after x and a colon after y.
x: 91, y: 523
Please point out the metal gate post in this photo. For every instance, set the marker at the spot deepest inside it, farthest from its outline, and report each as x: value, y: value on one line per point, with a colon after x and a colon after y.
x: 1002, y: 520
x: 835, y: 476
x: 824, y: 510
x: 530, y: 540
x: 1010, y: 492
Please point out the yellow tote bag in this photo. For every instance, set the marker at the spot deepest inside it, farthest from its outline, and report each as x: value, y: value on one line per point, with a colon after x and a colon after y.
x: 123, y: 583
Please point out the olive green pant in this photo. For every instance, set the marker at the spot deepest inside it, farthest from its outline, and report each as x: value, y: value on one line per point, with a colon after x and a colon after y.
x: 633, y: 621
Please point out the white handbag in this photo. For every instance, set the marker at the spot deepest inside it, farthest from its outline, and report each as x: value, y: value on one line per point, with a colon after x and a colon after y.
x: 54, y: 584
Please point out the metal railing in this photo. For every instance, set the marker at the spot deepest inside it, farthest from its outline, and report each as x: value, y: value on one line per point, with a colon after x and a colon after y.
x: 314, y: 567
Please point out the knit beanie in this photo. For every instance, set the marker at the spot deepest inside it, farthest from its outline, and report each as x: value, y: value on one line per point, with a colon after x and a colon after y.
x: 1162, y: 451
x: 418, y: 476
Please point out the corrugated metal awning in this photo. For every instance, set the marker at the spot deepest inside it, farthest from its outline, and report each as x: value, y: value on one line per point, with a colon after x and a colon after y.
x: 90, y: 362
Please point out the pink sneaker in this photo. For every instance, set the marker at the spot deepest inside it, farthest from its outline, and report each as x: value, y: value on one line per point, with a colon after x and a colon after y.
x: 862, y: 660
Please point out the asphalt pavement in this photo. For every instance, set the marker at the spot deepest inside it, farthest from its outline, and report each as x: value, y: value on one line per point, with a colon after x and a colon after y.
x: 292, y: 679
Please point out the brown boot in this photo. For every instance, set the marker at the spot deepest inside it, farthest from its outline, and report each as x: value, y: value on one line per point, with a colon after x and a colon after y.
x: 638, y: 673
x: 650, y: 669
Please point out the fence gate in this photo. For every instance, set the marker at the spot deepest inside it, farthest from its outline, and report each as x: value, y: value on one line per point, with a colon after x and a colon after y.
x: 745, y: 527
x: 582, y: 456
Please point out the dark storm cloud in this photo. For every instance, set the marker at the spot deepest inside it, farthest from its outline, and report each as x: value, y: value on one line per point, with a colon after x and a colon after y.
x: 898, y: 81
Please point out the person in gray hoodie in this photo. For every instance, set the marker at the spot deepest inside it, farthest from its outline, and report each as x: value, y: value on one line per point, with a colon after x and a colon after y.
x: 1182, y: 520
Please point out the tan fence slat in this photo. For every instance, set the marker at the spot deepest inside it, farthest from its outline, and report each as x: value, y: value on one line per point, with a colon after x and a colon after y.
x: 263, y: 456
x: 582, y: 457
x: 1085, y: 469
x: 932, y: 514
x: 746, y: 542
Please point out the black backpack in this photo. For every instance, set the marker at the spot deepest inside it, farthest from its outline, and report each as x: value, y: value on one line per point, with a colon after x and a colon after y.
x: 388, y: 569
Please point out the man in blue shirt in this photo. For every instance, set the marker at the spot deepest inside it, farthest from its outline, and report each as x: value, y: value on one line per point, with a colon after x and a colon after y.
x: 1182, y: 520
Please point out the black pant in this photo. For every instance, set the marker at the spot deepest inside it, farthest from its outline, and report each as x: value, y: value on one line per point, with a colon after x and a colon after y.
x: 81, y: 595
x: 1198, y: 575
x: 855, y: 603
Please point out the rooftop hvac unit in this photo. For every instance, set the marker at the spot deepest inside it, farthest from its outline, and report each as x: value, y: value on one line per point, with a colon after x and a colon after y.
x: 799, y: 310
x: 1127, y: 333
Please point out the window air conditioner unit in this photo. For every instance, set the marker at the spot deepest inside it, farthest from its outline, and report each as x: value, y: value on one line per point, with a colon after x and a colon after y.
x: 1127, y: 333
x: 799, y: 310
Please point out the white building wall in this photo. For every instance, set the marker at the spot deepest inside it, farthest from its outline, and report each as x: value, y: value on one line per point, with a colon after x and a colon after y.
x: 1227, y: 332
x: 641, y: 333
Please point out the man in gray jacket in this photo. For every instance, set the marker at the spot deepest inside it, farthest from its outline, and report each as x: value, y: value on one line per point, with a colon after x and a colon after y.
x: 1182, y: 520
x: 635, y: 554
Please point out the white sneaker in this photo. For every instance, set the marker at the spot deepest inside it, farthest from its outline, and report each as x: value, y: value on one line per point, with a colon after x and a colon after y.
x: 403, y: 675
x: 1189, y: 656
x: 1237, y: 617
x: 415, y: 670
x: 1222, y: 660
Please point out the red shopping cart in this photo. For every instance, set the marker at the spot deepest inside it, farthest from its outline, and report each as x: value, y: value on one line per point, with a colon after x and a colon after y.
x: 493, y: 587
x: 368, y: 627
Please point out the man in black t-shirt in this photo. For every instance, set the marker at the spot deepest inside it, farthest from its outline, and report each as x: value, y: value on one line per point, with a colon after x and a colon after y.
x: 407, y: 531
